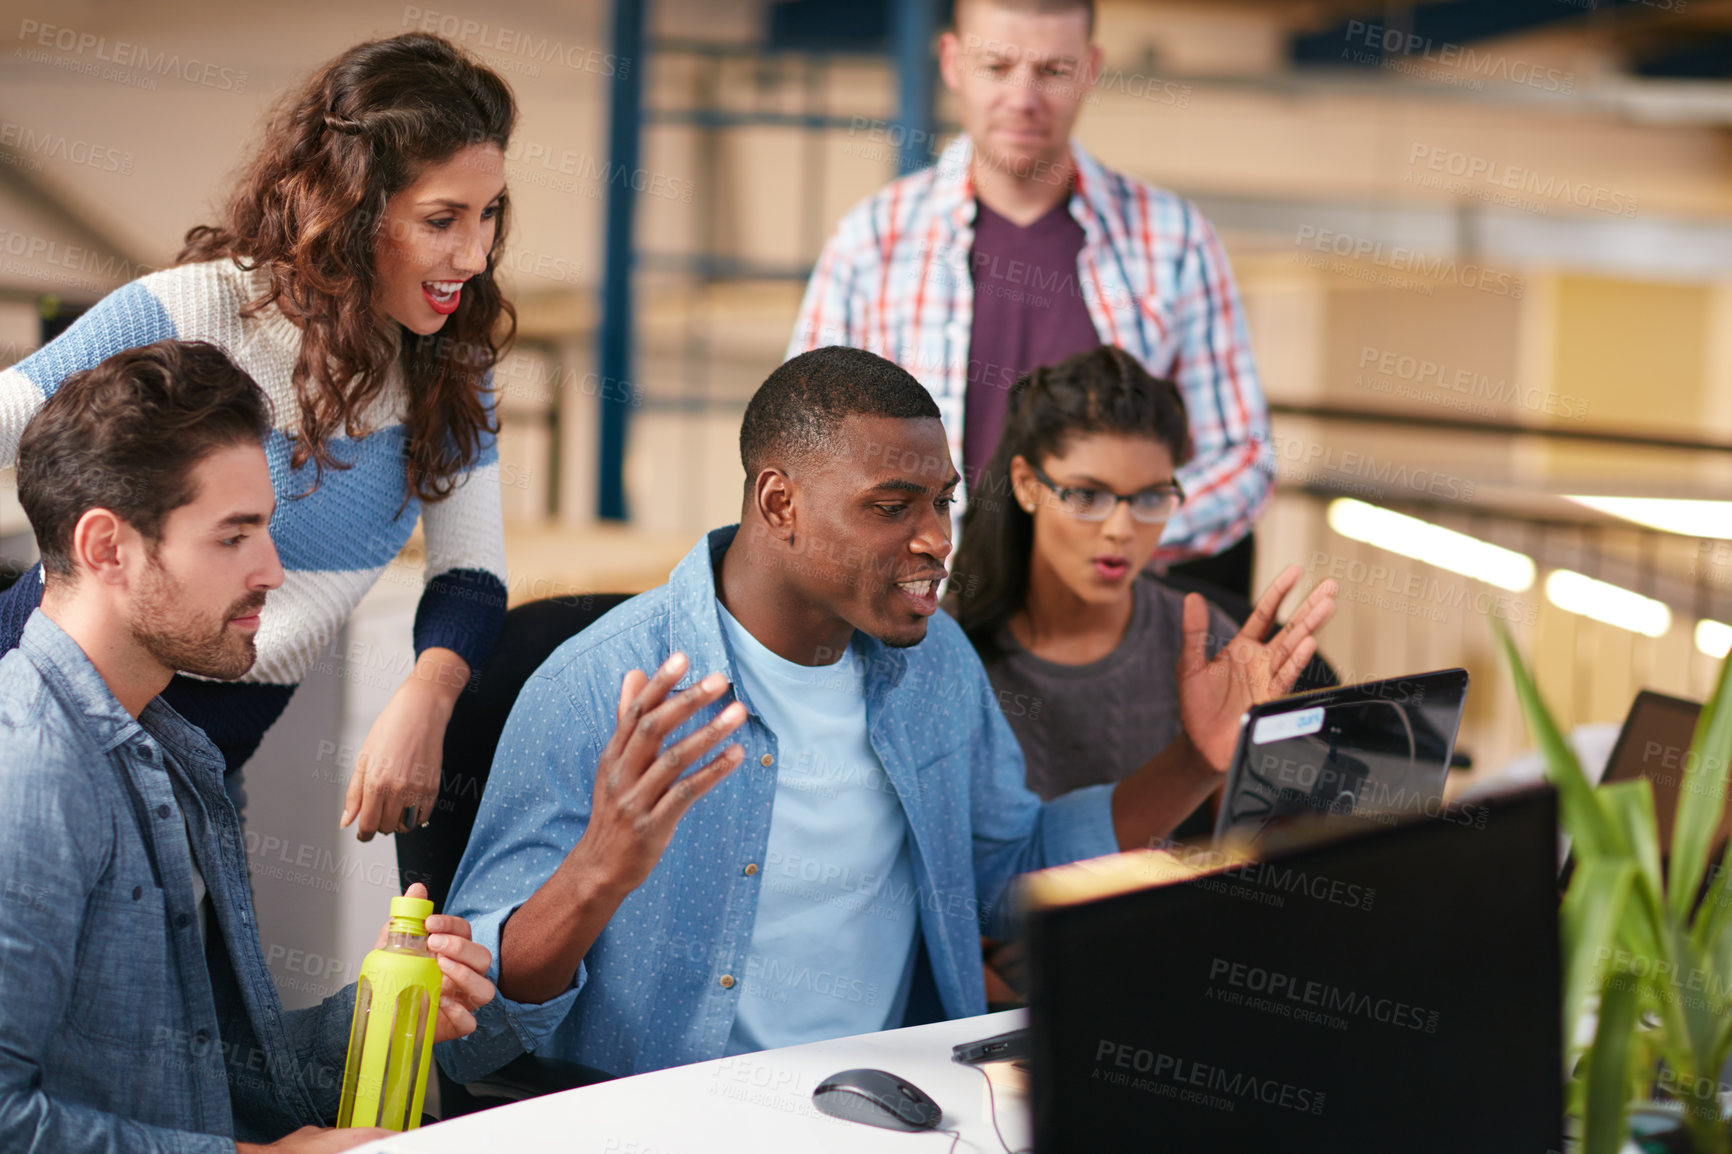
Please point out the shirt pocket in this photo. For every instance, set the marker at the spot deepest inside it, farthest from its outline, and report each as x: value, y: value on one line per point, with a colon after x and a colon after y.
x: 125, y: 990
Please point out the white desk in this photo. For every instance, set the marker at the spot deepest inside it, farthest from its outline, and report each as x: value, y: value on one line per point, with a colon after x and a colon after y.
x: 760, y: 1103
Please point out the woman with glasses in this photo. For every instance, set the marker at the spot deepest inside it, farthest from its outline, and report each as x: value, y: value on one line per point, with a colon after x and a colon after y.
x: 1100, y: 668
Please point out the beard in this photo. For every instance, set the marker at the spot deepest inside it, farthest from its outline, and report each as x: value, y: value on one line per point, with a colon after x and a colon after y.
x: 186, y: 640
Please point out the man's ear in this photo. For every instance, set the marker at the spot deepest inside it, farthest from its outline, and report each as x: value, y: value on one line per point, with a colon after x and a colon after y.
x: 774, y: 495
x: 102, y: 544
x: 950, y: 59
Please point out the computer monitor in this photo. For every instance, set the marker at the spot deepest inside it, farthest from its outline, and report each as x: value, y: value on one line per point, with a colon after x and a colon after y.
x: 1355, y: 752
x: 1390, y: 988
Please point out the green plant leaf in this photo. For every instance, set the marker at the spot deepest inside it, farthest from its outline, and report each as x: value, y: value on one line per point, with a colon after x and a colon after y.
x: 1592, y: 910
x: 1692, y: 985
x: 1702, y: 796
x: 1630, y: 804
x: 1608, y: 1069
x: 1593, y: 832
x: 1708, y: 924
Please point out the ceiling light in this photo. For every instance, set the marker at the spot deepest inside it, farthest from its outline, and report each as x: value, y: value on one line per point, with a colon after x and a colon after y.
x: 1432, y: 544
x: 1714, y: 638
x: 1609, y: 603
x: 1689, y: 518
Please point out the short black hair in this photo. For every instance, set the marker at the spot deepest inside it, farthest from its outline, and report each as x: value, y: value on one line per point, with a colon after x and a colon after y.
x: 126, y: 435
x: 800, y: 406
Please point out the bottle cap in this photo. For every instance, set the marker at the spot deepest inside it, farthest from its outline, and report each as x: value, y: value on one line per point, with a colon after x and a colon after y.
x: 415, y: 909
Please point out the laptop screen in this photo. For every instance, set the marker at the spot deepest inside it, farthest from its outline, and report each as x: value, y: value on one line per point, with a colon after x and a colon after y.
x: 1655, y: 743
x: 1373, y: 752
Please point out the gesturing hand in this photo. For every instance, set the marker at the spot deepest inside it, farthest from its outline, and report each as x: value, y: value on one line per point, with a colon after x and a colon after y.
x: 1213, y: 695
x: 639, y: 793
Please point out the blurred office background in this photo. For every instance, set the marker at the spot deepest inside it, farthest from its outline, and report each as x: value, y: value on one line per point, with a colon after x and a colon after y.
x: 1484, y: 248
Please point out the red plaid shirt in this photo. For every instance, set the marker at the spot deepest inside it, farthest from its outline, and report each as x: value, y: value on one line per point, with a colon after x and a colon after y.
x: 895, y: 280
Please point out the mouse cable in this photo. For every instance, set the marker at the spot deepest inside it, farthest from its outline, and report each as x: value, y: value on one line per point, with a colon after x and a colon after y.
x: 992, y: 1101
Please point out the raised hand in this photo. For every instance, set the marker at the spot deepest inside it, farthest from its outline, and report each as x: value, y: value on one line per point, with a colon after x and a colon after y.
x: 1213, y: 695
x: 640, y: 796
x: 639, y: 793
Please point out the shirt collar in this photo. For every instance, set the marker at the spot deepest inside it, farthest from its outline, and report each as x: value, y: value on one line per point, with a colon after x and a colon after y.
x: 953, y: 189
x: 695, y: 622
x: 63, y: 664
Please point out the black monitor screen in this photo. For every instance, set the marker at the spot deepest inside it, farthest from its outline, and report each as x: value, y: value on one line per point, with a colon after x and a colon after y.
x: 1393, y: 988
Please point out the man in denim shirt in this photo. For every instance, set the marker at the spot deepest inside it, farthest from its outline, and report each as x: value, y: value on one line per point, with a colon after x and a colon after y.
x: 137, y: 1011
x: 776, y: 911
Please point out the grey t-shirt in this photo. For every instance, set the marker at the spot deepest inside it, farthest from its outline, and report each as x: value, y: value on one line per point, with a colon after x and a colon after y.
x: 1088, y: 724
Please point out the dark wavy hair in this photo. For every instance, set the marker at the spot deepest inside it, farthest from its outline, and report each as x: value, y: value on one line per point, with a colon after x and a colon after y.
x: 309, y: 212
x: 1104, y: 390
x: 126, y: 436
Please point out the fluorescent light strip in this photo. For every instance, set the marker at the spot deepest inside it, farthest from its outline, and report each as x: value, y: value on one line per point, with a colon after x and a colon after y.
x: 1714, y: 637
x: 1685, y: 517
x: 1611, y: 604
x: 1432, y: 544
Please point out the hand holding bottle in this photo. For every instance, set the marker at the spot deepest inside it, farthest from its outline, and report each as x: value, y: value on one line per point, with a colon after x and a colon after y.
x: 463, y: 963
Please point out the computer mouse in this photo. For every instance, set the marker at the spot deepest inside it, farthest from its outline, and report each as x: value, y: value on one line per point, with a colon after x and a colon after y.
x: 877, y: 1098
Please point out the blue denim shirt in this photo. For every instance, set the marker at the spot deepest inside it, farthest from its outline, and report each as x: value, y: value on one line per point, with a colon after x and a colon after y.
x: 661, y: 985
x: 120, y: 1029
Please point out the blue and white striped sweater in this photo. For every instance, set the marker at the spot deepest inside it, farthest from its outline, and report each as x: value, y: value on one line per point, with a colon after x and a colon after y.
x: 335, y: 541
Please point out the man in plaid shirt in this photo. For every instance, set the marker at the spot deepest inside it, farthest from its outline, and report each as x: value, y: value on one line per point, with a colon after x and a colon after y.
x: 1017, y: 248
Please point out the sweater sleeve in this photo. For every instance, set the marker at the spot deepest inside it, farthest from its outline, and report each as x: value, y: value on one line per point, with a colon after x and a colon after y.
x: 126, y: 318
x: 463, y: 604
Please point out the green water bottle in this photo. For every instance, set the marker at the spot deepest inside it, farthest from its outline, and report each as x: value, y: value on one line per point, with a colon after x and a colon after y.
x: 396, y: 1013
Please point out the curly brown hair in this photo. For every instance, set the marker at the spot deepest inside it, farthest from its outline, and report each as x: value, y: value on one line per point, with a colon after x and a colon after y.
x: 309, y: 211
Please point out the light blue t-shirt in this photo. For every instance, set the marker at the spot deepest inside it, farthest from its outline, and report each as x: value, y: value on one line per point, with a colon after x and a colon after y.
x: 833, y: 945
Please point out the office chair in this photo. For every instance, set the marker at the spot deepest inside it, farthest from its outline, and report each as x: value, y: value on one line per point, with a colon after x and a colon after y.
x: 529, y: 635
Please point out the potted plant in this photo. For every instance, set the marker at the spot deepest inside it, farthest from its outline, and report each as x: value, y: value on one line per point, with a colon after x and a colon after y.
x: 1635, y: 936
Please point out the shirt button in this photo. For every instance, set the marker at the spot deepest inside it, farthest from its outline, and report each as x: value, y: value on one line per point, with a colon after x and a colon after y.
x: 751, y: 868
x: 727, y: 981
x: 162, y: 811
x: 137, y: 892
x: 767, y: 761
x: 182, y: 920
x: 202, y: 1037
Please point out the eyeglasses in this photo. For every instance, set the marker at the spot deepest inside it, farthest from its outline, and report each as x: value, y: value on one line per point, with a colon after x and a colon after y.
x: 1152, y: 506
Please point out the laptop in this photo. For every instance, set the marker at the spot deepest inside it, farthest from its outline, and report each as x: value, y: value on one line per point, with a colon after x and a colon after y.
x: 1354, y: 754
x: 1393, y: 987
x: 1655, y: 744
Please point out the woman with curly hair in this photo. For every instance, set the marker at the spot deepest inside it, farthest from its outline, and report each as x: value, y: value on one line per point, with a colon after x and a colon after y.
x: 352, y: 277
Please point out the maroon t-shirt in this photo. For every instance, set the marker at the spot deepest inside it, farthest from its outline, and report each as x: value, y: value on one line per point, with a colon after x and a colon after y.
x: 1028, y: 311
